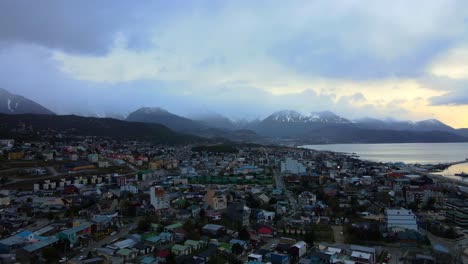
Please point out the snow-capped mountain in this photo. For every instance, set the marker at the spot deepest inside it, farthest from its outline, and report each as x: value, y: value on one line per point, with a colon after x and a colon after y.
x: 290, y: 123
x: 288, y: 116
x: 16, y: 104
x: 327, y: 117
x: 327, y: 127
x: 291, y: 116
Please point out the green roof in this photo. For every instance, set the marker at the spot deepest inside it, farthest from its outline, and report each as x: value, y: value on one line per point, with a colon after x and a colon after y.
x: 192, y: 242
x: 178, y: 247
x: 124, y: 251
x: 225, y: 246
x: 173, y: 226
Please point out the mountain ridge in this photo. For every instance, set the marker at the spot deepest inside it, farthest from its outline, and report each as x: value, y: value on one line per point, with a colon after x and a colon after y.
x: 16, y: 104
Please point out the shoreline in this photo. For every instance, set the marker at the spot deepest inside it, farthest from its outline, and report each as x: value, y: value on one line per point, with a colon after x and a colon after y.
x: 413, y: 167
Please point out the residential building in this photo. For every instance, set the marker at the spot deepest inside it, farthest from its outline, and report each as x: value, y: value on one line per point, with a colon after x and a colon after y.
x: 292, y: 166
x: 216, y: 199
x: 240, y: 213
x: 159, y: 198
x: 400, y: 219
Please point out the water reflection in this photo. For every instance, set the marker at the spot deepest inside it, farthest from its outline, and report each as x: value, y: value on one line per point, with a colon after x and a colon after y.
x: 455, y: 169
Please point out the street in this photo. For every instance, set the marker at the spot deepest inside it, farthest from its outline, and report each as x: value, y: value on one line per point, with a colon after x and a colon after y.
x: 108, y: 240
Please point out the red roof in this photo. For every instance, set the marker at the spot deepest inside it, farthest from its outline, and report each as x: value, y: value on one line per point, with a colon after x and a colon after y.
x: 264, y: 230
x: 163, y: 254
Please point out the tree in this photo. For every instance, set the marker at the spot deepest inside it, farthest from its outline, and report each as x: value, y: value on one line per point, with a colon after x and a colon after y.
x: 192, y: 231
x: 202, y: 213
x: 244, y: 234
x: 384, y: 198
x: 144, y: 225
x: 51, y: 254
x: 309, y: 237
x: 237, y: 249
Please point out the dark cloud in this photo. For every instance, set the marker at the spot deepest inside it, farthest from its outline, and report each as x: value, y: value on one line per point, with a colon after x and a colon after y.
x: 458, y: 97
x: 328, y: 58
x: 84, y: 26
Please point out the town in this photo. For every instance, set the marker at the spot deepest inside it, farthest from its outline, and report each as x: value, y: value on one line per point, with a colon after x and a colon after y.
x: 98, y: 200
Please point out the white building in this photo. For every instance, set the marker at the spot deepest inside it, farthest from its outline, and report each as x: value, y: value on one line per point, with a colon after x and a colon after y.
x: 292, y: 166
x: 400, y: 219
x: 93, y: 158
x: 159, y: 198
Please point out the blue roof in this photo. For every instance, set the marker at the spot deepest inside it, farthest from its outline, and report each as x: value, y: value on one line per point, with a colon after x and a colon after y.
x: 76, y: 229
x: 440, y: 248
x: 237, y: 241
x: 41, y: 244
x: 165, y: 234
x: 147, y: 260
x: 24, y: 234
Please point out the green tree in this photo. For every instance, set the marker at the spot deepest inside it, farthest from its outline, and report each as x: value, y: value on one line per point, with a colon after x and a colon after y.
x: 244, y: 234
x: 144, y: 225
x: 50, y: 254
x: 309, y: 237
x: 237, y: 249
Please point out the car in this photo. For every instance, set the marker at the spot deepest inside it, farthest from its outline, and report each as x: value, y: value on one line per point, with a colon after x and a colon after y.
x: 113, y: 233
x: 81, y: 257
x: 82, y: 250
x: 62, y: 260
x: 273, y: 246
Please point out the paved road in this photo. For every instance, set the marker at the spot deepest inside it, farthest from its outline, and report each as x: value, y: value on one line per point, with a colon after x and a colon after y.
x: 107, y: 240
x: 279, y: 180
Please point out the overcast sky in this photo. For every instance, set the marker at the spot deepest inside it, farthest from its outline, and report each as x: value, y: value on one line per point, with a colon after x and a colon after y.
x: 245, y: 59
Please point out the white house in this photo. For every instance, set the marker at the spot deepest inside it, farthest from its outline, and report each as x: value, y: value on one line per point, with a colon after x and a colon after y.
x: 400, y: 219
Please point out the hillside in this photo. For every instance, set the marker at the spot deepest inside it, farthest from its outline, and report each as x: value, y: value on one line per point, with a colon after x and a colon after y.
x: 91, y: 126
x: 16, y: 104
x: 163, y: 117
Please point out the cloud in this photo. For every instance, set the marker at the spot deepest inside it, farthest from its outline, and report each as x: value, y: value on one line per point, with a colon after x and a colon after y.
x: 452, y: 64
x: 85, y: 26
x: 240, y: 58
x: 458, y: 97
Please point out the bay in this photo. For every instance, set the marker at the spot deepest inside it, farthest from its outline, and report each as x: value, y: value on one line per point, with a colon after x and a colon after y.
x: 409, y: 153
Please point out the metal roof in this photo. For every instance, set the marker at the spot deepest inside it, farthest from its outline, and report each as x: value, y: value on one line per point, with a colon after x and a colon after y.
x: 41, y: 244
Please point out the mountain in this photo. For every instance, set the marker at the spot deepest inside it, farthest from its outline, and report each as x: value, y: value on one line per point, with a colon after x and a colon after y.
x: 113, y: 115
x: 215, y: 120
x: 327, y: 127
x: 290, y: 123
x: 391, y: 124
x: 163, y: 117
x: 71, y: 125
x: 354, y: 134
x: 462, y: 132
x: 209, y: 128
x: 17, y: 104
x: 327, y: 117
